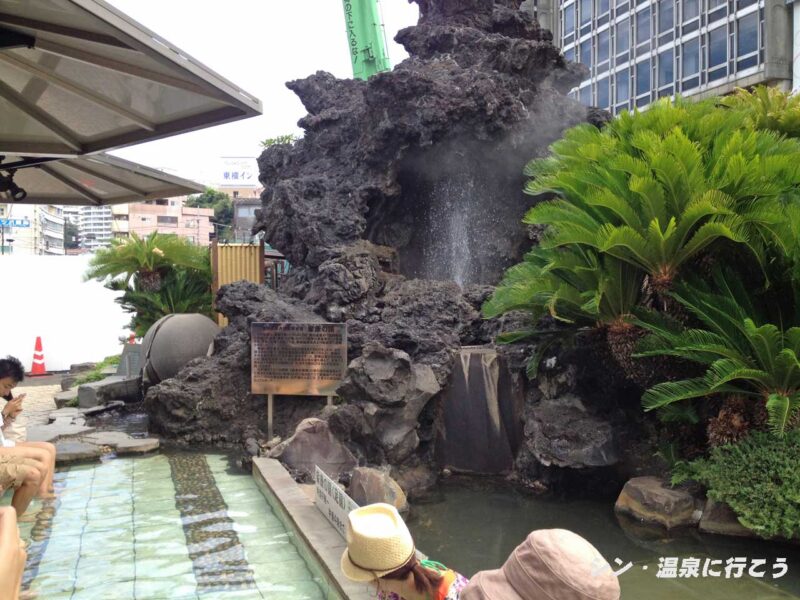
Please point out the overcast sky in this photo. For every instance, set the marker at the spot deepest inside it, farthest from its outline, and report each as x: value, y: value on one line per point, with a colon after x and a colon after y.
x: 258, y: 45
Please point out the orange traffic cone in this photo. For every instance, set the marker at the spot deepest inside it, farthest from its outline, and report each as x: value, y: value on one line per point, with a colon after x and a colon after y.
x: 37, y: 368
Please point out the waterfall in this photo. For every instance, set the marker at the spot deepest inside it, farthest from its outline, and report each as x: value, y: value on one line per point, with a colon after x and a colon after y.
x: 481, y: 424
x: 449, y: 252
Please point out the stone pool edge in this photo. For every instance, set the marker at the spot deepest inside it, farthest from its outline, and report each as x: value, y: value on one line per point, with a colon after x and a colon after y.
x: 314, y: 535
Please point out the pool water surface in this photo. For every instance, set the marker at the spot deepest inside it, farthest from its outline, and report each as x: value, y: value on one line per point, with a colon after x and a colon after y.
x: 472, y: 525
x: 171, y: 525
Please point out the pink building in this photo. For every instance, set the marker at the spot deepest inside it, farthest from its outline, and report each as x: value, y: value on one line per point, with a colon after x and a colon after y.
x: 164, y: 216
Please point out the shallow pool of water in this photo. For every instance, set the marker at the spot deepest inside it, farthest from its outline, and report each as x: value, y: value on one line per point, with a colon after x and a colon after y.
x: 176, y: 525
x: 473, y: 525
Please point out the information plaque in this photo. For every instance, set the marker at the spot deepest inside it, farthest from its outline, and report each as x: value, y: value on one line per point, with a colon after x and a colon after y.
x: 303, y: 359
x: 332, y: 501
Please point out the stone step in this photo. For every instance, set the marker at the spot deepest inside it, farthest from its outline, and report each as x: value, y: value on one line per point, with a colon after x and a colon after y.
x: 70, y: 451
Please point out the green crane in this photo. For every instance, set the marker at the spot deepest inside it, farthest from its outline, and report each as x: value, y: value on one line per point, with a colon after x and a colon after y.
x: 365, y: 38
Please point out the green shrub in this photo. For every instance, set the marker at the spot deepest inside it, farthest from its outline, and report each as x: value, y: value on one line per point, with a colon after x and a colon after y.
x: 759, y: 478
x: 111, y: 360
x: 97, y: 374
x: 89, y: 377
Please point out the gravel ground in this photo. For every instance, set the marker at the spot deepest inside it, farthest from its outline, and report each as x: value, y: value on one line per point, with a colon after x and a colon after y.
x: 38, y: 402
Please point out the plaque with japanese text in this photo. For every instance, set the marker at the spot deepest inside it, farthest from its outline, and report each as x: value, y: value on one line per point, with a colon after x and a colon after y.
x: 304, y: 359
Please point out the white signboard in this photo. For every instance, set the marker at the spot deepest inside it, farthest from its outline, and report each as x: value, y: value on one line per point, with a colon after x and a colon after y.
x: 239, y: 172
x: 332, y: 501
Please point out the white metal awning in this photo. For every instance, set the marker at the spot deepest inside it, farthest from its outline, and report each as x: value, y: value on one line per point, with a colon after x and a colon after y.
x: 96, y: 180
x: 79, y: 77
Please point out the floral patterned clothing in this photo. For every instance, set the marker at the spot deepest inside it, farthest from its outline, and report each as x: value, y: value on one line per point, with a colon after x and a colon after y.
x: 449, y: 589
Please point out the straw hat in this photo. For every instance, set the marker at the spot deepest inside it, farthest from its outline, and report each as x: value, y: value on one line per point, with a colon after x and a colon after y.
x: 378, y: 542
x: 550, y: 563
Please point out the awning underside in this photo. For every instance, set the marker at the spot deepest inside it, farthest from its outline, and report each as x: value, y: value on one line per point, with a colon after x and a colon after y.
x: 97, y: 180
x: 78, y: 76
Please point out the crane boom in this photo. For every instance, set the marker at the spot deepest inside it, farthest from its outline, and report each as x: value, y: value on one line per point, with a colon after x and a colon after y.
x: 365, y: 38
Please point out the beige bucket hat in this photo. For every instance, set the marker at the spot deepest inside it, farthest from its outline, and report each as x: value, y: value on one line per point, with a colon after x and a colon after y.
x: 378, y: 542
x: 551, y: 564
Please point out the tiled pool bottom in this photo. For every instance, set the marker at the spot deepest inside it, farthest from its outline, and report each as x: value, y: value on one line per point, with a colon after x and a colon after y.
x: 175, y: 526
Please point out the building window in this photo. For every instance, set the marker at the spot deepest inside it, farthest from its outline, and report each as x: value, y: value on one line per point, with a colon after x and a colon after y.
x: 691, y: 10
x: 747, y: 39
x: 602, y: 7
x: 666, y: 16
x: 172, y: 221
x: 246, y: 211
x: 666, y: 71
x: 586, y: 11
x: 623, y: 87
x: 717, y: 9
x: 569, y: 19
x: 602, y: 93
x: 585, y: 95
x: 717, y: 47
x: 603, y: 39
x: 643, y: 77
x: 623, y: 37
x: 690, y: 53
x: 586, y: 53
x: 570, y: 54
x: 643, y: 26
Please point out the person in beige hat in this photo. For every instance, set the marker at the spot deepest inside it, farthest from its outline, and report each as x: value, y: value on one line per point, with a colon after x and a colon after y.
x: 550, y: 564
x: 380, y: 550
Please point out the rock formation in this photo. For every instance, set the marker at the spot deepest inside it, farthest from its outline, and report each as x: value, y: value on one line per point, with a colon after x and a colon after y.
x: 426, y: 159
x: 209, y: 401
x: 397, y: 210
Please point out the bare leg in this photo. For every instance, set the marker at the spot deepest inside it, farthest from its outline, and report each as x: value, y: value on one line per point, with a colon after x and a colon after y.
x: 11, y: 555
x: 39, y: 456
x: 22, y: 558
x: 50, y: 449
x: 24, y: 494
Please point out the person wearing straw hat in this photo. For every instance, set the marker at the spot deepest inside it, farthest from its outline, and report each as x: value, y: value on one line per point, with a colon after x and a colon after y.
x: 550, y: 564
x: 380, y: 551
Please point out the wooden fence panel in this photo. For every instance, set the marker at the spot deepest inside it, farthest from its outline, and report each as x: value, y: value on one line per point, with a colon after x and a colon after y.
x: 236, y: 262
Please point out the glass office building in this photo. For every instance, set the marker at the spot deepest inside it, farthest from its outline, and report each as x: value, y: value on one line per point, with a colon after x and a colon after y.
x: 640, y: 50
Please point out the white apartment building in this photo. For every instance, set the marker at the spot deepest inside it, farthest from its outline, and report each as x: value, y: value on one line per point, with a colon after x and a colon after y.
x: 94, y: 226
x: 40, y: 229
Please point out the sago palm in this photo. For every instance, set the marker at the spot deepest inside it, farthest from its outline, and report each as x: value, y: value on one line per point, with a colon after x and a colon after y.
x: 182, y: 291
x: 766, y: 107
x: 576, y: 287
x: 657, y: 202
x: 742, y: 357
x: 147, y: 260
